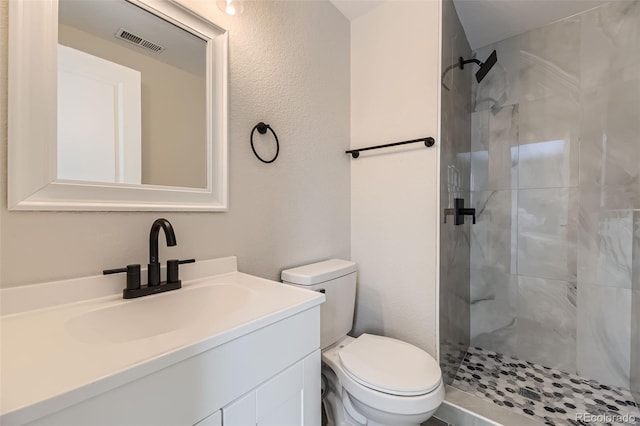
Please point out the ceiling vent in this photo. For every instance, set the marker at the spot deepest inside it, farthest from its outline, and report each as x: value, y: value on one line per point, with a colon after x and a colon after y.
x: 130, y: 37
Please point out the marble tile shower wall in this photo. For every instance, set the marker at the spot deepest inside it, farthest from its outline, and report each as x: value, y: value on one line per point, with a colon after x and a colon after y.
x: 555, y: 167
x: 455, y: 182
x: 635, y: 310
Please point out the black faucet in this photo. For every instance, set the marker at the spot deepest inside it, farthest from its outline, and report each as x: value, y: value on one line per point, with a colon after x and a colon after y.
x: 153, y: 271
x: 134, y: 289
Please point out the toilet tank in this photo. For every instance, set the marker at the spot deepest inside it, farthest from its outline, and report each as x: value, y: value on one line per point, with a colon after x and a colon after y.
x: 337, y: 280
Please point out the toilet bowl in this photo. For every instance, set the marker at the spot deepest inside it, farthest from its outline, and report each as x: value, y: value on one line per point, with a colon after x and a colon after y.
x: 369, y: 380
x: 378, y: 383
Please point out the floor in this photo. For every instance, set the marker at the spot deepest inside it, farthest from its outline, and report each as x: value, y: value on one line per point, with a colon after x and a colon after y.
x: 550, y: 396
x: 434, y: 422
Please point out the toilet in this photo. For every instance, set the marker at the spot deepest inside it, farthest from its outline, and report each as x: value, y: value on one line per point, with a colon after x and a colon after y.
x: 368, y: 380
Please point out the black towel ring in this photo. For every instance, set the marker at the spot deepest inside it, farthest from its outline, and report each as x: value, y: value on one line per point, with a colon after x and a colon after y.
x: 262, y: 129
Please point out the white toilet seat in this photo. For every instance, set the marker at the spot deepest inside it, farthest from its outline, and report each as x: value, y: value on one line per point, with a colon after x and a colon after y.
x: 362, y: 394
x: 390, y: 366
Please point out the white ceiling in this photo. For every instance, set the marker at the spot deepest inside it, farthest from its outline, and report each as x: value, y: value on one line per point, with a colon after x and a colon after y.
x: 103, y: 18
x: 488, y: 21
x: 354, y: 8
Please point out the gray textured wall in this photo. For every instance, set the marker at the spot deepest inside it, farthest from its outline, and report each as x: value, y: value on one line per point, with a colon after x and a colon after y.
x: 287, y: 69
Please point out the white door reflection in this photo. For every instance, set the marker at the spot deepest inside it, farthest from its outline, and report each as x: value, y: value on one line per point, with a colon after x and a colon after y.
x: 99, y: 119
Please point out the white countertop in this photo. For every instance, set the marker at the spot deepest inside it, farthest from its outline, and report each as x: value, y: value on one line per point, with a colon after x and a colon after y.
x: 49, y: 360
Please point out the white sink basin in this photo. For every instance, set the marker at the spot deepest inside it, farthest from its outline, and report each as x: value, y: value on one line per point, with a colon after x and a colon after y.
x: 151, y: 316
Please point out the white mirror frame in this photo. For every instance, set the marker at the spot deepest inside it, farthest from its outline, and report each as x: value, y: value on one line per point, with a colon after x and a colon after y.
x: 32, y: 159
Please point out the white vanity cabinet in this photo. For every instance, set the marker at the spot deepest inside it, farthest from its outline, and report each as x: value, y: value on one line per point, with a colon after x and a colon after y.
x: 270, y: 376
x: 228, y: 348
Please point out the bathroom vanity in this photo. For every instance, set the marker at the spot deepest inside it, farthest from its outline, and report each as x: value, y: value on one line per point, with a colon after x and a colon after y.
x: 228, y: 348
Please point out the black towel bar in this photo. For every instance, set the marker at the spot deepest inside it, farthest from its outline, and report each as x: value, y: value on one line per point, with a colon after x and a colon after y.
x: 355, y: 153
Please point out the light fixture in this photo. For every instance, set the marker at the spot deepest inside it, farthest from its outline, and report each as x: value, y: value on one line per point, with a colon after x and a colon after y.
x: 230, y: 7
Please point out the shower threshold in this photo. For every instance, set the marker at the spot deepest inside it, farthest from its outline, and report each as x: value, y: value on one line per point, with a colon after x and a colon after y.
x: 549, y: 396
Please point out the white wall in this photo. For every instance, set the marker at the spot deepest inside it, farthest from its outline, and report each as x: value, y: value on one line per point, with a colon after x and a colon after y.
x: 289, y: 67
x: 395, y: 55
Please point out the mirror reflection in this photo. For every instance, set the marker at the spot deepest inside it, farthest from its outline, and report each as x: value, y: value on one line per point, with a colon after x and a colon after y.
x: 131, y: 97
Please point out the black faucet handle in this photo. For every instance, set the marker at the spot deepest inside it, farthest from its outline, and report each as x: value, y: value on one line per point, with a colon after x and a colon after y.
x: 133, y: 275
x: 468, y: 212
x: 172, y: 269
x: 459, y: 211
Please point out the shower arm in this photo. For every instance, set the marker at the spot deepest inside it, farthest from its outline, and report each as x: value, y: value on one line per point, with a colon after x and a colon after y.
x: 462, y: 62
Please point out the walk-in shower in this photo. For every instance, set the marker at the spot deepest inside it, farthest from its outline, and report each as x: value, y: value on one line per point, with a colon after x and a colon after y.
x: 540, y: 299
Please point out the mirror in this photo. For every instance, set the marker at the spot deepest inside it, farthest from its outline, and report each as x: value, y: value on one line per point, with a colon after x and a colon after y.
x: 131, y: 97
x: 126, y: 107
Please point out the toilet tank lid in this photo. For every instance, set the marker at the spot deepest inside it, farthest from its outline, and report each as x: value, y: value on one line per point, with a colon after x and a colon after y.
x: 320, y: 272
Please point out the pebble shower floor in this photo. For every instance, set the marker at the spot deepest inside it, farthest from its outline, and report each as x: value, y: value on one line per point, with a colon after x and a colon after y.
x: 550, y: 396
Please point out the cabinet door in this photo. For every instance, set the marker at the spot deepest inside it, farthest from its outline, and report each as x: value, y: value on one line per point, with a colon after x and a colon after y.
x: 291, y: 398
x: 311, y: 397
x: 241, y: 412
x: 279, y: 400
x: 289, y: 413
x: 213, y: 420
